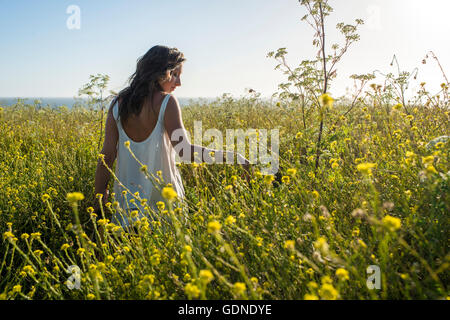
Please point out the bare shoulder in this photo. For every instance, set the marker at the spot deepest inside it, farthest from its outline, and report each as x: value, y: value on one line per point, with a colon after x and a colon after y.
x: 172, y: 108
x: 173, y: 103
x: 172, y: 115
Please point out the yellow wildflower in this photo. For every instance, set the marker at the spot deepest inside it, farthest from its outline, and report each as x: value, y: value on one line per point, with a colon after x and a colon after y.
x: 102, y: 222
x: 392, y: 223
x: 439, y: 145
x: 160, y: 205
x: 289, y: 244
x: 134, y: 213
x: 428, y: 160
x: 192, y: 291
x: 430, y: 169
x: 309, y: 296
x: 292, y: 172
x: 328, y: 292
x: 312, y: 285
x: 268, y: 179
x: 366, y: 168
x: 17, y: 288
x: 38, y: 252
x: 206, y: 276
x: 342, y: 274
x: 230, y: 220
x: 169, y: 193
x: 326, y: 100
x: 28, y: 269
x: 326, y: 279
x: 35, y: 235
x: 73, y: 197
x: 214, y: 226
x: 239, y: 288
x: 286, y: 179
x: 322, y: 245
x: 398, y: 106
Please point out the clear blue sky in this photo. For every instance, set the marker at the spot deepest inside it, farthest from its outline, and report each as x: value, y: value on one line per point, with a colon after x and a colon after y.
x: 225, y: 42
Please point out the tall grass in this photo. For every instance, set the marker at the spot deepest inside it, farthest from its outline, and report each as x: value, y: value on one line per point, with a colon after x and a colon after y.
x: 379, y: 197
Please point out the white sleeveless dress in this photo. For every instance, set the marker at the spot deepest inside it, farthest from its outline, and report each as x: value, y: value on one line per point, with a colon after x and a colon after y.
x: 158, y: 154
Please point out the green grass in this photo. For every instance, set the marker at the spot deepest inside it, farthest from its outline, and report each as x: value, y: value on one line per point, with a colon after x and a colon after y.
x: 286, y: 241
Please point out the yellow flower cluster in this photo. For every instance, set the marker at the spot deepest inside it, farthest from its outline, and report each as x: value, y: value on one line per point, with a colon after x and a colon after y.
x: 192, y: 291
x: 366, y: 168
x: 214, y: 226
x: 326, y: 101
x: 73, y: 197
x: 342, y: 274
x: 289, y: 244
x: 328, y: 292
x: 292, y: 172
x: 321, y: 244
x: 169, y: 193
x: 230, y: 220
x: 239, y: 288
x: 392, y: 223
x: 206, y: 276
x: 268, y: 179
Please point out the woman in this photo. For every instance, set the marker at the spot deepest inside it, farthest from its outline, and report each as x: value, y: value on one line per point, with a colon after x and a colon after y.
x: 147, y: 115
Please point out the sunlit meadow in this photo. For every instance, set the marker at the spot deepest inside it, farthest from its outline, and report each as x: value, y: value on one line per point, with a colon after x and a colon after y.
x: 380, y: 197
x: 363, y: 185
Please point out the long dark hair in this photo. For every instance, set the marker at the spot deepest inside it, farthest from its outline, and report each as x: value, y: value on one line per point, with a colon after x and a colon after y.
x: 151, y: 67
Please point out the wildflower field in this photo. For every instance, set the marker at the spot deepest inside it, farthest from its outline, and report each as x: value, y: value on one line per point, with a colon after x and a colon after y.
x: 359, y: 208
x: 379, y: 197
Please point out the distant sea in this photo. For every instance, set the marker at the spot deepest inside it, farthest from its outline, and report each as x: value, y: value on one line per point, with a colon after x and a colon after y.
x: 70, y: 102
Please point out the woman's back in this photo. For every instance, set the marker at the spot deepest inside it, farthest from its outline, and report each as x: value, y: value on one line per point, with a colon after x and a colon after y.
x: 139, y: 127
x: 152, y: 148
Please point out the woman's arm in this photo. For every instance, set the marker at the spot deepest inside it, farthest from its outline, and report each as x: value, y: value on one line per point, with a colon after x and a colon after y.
x: 102, y: 175
x: 173, y: 123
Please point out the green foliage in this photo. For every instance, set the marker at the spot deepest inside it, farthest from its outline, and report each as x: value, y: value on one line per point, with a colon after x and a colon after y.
x: 285, y: 242
x: 372, y: 190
